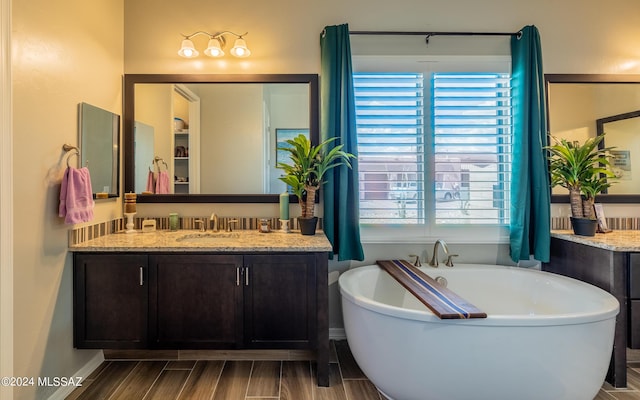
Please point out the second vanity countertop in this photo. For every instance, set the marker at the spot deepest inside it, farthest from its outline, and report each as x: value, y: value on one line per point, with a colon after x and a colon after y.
x: 621, y: 240
x: 193, y: 241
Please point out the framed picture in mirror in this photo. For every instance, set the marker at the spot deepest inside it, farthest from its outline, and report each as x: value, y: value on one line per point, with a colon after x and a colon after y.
x: 282, y: 135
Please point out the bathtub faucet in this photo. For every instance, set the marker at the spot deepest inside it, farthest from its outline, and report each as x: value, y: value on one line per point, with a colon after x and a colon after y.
x: 445, y: 249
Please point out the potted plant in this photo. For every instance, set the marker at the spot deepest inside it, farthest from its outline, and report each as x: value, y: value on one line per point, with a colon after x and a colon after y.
x: 305, y: 172
x: 583, y: 169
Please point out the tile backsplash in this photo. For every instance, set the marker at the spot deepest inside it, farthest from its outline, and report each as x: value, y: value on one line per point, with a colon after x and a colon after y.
x: 81, y: 235
x: 85, y: 233
x: 620, y: 223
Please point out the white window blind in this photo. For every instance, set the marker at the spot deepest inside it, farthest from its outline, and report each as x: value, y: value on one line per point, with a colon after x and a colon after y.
x: 472, y: 147
x: 390, y: 126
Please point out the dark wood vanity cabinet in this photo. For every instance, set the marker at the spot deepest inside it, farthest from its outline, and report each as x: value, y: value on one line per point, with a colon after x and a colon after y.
x: 111, y: 295
x: 198, y: 301
x: 608, y: 270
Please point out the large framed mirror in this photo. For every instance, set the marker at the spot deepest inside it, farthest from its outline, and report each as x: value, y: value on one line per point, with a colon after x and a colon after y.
x: 99, y: 132
x: 575, y: 104
x: 212, y: 138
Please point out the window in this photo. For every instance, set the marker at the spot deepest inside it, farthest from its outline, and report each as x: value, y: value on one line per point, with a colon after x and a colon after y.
x: 390, y: 126
x: 434, y: 148
x: 472, y: 148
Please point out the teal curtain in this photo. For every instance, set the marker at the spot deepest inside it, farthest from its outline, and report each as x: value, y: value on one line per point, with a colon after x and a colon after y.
x: 341, y: 221
x: 530, y: 189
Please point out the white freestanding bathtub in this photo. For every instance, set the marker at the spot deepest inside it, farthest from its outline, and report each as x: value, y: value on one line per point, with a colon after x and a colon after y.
x: 546, y: 337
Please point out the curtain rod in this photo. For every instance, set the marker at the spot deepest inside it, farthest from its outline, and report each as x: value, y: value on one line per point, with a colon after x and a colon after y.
x: 434, y: 33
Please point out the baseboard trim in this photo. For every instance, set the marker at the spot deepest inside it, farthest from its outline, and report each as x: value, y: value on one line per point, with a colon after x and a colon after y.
x: 84, y: 372
x: 337, y: 334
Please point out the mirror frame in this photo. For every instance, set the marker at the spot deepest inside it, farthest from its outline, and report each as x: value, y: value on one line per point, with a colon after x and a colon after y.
x: 590, y: 78
x: 130, y: 80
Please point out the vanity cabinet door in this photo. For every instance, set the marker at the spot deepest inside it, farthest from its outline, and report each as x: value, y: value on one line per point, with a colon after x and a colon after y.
x: 110, y: 301
x: 280, y: 301
x: 196, y: 301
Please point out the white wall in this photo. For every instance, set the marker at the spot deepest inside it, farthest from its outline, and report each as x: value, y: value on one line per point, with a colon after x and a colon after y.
x: 63, y: 53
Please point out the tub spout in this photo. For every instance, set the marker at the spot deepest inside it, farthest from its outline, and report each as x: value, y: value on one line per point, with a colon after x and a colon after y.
x: 434, y: 259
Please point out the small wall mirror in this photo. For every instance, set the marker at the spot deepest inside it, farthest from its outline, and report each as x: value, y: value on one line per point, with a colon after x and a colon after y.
x: 578, y: 104
x: 214, y: 137
x: 99, y: 148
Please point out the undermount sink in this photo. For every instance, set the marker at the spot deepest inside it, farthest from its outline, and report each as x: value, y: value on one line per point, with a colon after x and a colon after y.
x: 211, y: 237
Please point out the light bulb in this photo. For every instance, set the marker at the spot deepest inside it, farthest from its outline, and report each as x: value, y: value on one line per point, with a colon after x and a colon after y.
x: 214, y: 49
x: 240, y: 48
x: 187, y: 50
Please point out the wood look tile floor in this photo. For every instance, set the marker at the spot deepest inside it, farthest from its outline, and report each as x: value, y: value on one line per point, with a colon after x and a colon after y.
x: 259, y: 379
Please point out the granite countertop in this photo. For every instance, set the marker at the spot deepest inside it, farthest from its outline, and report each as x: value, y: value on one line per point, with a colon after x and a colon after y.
x: 193, y: 241
x: 623, y: 240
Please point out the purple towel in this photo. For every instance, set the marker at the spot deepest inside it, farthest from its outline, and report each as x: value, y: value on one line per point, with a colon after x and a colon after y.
x: 162, y: 183
x: 76, y: 196
x: 151, y: 183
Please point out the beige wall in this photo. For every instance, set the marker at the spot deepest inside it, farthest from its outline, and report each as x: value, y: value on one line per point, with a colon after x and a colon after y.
x: 63, y: 53
x: 233, y: 114
x: 69, y: 51
x: 155, y: 109
x: 577, y: 37
x: 574, y: 109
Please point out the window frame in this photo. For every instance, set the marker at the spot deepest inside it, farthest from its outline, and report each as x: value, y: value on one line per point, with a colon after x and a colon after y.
x: 429, y: 231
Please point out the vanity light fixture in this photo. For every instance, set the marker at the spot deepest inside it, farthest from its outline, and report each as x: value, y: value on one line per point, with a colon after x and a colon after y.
x: 216, y: 43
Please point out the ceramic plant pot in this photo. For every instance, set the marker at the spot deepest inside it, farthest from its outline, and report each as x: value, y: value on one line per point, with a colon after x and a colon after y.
x: 584, y: 226
x: 308, y: 225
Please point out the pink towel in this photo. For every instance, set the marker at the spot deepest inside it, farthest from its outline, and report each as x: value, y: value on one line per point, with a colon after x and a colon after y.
x: 151, y: 185
x: 162, y: 184
x: 76, y: 196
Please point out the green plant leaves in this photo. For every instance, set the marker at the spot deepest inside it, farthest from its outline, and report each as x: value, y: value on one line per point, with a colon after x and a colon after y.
x: 310, y: 163
x: 581, y: 168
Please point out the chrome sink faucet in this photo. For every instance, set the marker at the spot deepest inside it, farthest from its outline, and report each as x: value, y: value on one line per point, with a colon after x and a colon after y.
x: 229, y: 227
x: 213, y: 221
x: 434, y: 259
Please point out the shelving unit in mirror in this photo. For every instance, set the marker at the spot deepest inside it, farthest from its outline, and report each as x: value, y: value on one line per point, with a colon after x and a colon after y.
x: 181, y: 161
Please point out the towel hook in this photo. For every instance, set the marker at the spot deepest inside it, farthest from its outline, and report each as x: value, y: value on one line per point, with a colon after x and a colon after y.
x: 69, y: 157
x: 68, y: 148
x: 157, y: 160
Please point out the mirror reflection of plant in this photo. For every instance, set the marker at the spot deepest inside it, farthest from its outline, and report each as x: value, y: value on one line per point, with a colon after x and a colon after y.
x: 583, y: 169
x: 307, y: 168
x: 592, y: 187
